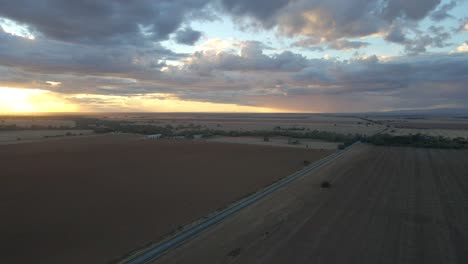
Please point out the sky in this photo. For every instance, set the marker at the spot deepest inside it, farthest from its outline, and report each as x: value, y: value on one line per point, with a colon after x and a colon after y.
x: 233, y: 56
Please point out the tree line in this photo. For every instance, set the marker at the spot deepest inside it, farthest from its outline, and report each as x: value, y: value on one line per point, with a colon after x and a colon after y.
x: 380, y: 139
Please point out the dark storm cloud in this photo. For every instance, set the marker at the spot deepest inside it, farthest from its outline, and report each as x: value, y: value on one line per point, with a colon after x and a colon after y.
x: 101, y: 21
x: 187, y: 36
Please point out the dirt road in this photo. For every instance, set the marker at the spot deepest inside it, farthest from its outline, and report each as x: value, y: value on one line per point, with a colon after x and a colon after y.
x: 386, y: 205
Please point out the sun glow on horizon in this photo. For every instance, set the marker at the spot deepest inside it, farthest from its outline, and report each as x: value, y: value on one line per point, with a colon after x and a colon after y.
x: 159, y: 103
x: 18, y: 100
x: 22, y: 100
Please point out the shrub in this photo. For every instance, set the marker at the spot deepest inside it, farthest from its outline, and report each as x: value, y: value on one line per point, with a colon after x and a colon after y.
x: 235, y: 252
x: 325, y: 184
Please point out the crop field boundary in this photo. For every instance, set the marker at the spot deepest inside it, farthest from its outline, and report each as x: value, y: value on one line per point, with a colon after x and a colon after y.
x: 156, y: 250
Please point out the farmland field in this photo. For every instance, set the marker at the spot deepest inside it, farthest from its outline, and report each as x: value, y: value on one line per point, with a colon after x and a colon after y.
x: 31, y: 121
x: 428, y: 125
x: 94, y: 199
x: 450, y: 133
x: 22, y: 136
x: 252, y: 122
x: 277, y: 141
x: 385, y: 205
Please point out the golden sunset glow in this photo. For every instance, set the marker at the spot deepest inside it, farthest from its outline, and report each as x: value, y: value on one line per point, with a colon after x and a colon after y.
x: 15, y: 100
x: 157, y: 103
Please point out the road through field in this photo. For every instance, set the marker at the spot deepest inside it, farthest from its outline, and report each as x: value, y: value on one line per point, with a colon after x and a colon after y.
x: 386, y: 205
x: 93, y: 199
x: 158, y: 249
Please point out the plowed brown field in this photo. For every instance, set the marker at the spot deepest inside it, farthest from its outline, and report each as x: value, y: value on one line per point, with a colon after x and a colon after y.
x: 90, y: 200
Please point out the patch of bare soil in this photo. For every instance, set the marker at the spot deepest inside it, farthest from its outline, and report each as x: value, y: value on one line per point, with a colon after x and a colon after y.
x: 91, y: 200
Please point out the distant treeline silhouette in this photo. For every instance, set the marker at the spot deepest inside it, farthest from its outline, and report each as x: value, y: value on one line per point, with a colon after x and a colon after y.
x: 417, y: 140
x: 189, y: 131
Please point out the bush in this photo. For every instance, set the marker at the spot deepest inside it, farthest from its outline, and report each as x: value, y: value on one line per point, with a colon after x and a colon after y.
x: 325, y: 184
x: 293, y: 141
x: 306, y: 163
x: 235, y: 252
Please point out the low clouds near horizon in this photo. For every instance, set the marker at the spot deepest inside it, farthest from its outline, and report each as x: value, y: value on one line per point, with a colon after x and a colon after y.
x: 302, y: 55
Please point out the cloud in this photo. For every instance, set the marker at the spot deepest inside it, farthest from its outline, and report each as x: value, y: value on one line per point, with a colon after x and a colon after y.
x: 52, y: 56
x: 320, y: 44
x: 251, y: 58
x: 414, y: 9
x: 435, y: 37
x: 310, y: 42
x: 329, y: 20
x: 262, y: 10
x: 464, y: 25
x: 344, y: 44
x: 106, y: 22
x: 284, y: 81
x: 241, y: 79
x: 334, y: 22
x: 442, y: 12
x: 372, y: 74
x: 462, y: 48
x: 187, y: 36
x: 395, y: 34
x: 138, y: 23
x: 113, y: 48
x: 332, y: 19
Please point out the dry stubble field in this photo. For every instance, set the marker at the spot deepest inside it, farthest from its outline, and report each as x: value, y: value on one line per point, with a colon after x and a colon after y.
x: 91, y: 200
x: 386, y: 205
